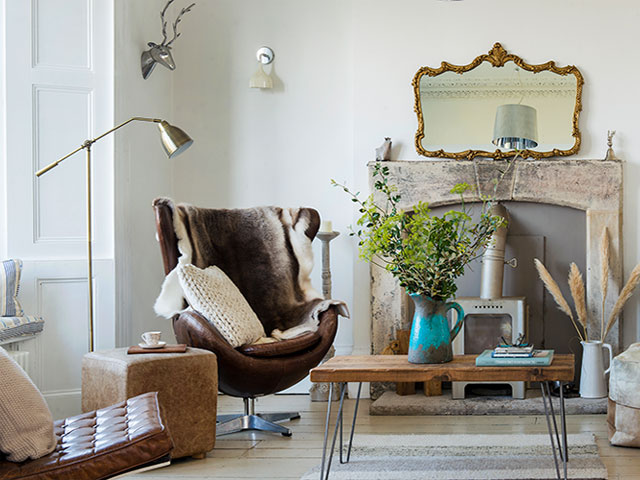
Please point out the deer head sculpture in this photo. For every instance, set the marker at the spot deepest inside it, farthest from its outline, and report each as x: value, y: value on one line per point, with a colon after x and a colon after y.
x: 162, y: 53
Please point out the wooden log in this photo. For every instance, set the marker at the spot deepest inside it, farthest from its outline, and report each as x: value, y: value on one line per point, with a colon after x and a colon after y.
x: 432, y: 388
x: 404, y: 388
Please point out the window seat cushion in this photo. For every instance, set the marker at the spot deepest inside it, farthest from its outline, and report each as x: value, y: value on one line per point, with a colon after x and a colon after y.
x: 13, y: 328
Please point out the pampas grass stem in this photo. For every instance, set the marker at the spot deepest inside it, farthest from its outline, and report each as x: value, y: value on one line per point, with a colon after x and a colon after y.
x: 554, y: 290
x: 625, y: 294
x: 576, y: 285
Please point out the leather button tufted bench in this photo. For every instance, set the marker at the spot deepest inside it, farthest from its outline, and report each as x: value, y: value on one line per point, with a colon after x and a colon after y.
x: 101, y: 444
x: 187, y: 386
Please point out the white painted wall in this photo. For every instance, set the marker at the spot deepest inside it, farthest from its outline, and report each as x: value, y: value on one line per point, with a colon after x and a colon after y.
x: 343, y: 82
x: 277, y: 147
x: 142, y: 170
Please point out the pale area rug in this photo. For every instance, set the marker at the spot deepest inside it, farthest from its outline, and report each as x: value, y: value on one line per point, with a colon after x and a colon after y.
x: 390, y: 403
x: 464, y: 457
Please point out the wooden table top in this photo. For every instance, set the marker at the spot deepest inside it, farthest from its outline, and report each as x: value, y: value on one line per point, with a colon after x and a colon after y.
x: 396, y: 368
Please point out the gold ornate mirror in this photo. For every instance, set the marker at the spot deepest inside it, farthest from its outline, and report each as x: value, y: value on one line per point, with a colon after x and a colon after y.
x: 465, y: 111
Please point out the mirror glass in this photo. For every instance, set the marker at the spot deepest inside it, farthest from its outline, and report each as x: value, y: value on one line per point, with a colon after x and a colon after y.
x: 457, y: 109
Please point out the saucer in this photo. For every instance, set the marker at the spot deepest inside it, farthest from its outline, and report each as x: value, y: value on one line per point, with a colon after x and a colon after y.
x: 157, y: 345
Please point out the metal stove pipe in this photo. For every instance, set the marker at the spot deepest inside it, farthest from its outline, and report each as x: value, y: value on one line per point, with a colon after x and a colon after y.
x: 493, y: 259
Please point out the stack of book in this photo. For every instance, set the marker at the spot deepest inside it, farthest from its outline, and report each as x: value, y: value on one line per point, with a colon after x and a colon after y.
x: 514, y: 356
x: 511, y: 351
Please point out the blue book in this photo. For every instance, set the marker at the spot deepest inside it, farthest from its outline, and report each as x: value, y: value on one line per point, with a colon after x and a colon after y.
x: 541, y: 358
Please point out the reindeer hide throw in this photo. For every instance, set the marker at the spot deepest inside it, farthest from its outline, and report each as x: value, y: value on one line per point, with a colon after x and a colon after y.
x: 265, y: 251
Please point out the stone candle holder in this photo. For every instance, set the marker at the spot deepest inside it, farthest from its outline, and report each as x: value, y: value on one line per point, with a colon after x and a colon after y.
x: 320, y: 391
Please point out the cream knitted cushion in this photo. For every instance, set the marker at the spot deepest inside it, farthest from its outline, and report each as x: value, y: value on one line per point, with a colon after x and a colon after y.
x: 215, y: 296
x: 26, y: 425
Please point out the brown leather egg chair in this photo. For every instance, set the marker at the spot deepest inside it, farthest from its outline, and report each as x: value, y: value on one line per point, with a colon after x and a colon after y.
x: 248, y: 371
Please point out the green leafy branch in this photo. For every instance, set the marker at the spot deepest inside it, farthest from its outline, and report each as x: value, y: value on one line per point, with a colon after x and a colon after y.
x: 426, y: 253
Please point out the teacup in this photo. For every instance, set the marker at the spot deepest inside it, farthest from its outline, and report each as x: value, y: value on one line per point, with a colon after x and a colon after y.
x: 151, y: 338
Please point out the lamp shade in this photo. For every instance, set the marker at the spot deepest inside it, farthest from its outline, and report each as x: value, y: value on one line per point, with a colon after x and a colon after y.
x: 174, y: 140
x: 516, y: 127
x: 260, y: 79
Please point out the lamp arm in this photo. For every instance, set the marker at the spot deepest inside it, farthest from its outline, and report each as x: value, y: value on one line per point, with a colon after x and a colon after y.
x: 88, y: 143
x: 137, y: 119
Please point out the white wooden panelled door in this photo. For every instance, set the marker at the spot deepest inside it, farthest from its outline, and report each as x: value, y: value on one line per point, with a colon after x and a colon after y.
x: 59, y: 92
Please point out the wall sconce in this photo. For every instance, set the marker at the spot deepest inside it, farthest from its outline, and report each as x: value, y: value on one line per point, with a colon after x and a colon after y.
x: 262, y: 79
x: 516, y: 127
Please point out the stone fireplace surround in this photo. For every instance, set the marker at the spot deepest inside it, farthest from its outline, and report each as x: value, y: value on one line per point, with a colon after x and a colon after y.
x: 593, y: 186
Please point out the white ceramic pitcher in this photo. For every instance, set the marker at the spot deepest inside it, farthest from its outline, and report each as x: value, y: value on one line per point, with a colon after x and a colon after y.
x: 593, y: 382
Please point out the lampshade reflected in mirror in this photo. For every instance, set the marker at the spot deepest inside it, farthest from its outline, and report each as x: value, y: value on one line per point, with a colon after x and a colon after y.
x: 516, y: 127
x: 174, y: 140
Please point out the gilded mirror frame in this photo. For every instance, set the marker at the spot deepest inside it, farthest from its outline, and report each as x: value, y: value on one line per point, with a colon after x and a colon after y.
x: 497, y: 57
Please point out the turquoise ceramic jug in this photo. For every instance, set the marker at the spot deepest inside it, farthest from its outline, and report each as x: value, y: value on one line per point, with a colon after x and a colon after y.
x: 431, y: 339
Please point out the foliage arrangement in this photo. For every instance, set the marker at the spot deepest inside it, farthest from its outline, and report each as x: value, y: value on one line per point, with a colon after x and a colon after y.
x: 426, y: 253
x: 576, y: 286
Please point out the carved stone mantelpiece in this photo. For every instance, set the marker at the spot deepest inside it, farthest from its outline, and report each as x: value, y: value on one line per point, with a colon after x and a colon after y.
x: 593, y: 186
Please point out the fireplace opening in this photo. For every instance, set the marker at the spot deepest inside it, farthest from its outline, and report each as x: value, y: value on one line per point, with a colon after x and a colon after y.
x: 557, y: 236
x: 486, y: 329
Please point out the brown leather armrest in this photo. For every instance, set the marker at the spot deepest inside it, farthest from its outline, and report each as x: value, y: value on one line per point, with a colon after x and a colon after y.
x: 284, y: 347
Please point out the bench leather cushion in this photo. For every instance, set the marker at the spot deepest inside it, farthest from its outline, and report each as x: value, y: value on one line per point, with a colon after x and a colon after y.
x: 300, y: 343
x: 100, y: 444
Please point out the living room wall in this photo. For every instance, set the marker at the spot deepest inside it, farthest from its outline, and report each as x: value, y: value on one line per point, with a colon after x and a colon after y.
x: 142, y: 170
x: 343, y: 75
x: 279, y: 146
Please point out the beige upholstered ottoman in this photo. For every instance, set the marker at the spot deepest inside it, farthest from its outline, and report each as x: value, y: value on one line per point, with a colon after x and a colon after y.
x: 187, y: 386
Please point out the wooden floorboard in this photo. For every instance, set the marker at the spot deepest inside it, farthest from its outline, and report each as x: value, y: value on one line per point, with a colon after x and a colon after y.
x: 261, y: 455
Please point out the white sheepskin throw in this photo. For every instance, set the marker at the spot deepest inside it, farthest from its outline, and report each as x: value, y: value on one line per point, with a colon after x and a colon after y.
x: 265, y: 251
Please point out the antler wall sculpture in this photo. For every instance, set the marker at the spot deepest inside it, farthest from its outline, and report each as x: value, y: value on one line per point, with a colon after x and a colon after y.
x: 162, y: 53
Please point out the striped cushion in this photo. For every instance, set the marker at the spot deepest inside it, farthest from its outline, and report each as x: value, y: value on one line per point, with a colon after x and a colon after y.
x: 9, y: 285
x: 13, y: 327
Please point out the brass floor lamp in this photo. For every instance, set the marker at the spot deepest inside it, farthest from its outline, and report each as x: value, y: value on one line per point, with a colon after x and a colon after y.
x: 174, y: 141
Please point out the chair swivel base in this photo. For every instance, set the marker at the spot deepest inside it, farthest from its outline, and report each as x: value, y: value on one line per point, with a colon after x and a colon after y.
x: 262, y: 422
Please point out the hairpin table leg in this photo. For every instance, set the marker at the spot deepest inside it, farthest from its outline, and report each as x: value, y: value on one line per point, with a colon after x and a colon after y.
x: 563, y: 421
x: 326, y: 431
x: 552, y: 426
x: 338, y: 425
x: 353, y: 424
x: 553, y: 417
x: 343, y: 388
x: 544, y: 386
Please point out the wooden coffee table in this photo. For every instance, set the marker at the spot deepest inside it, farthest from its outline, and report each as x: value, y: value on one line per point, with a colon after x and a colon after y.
x: 396, y: 368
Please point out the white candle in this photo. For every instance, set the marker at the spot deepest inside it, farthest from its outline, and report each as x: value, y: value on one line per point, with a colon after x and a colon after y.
x: 326, y: 226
